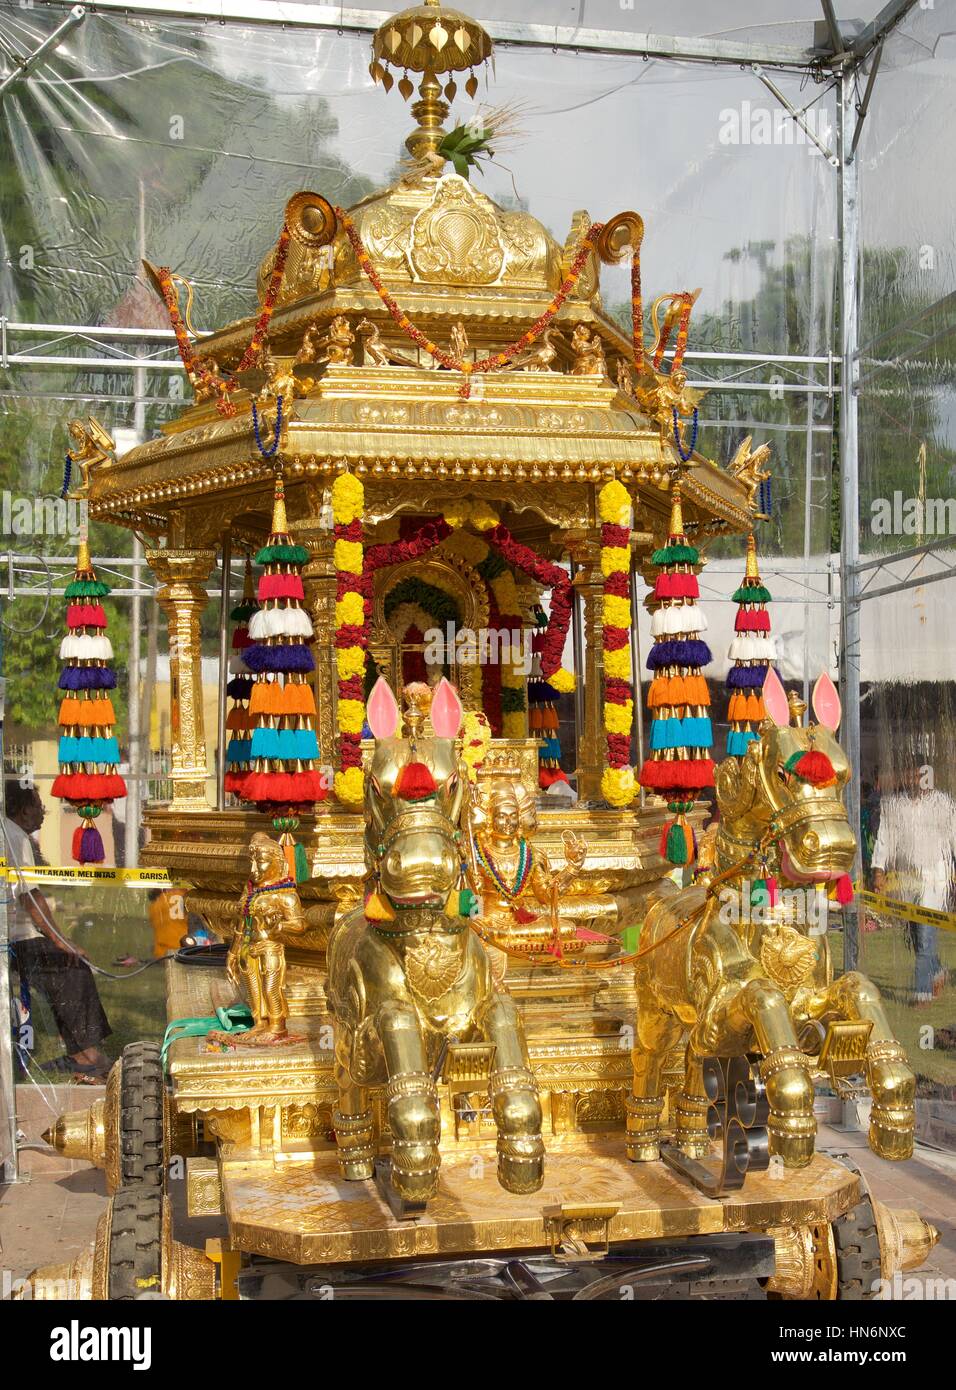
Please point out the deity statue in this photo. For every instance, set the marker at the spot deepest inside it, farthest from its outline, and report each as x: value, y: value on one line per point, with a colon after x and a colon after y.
x: 458, y: 344
x: 335, y: 345
x: 520, y: 894
x: 588, y: 353
x: 270, y: 913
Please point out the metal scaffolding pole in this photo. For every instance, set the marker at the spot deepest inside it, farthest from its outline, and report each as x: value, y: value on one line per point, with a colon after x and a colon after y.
x: 850, y: 471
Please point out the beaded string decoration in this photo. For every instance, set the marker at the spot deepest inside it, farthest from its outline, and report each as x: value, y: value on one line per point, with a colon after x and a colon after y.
x: 523, y: 871
x: 253, y: 890
x: 88, y: 749
x: 751, y: 653
x: 283, y: 751
x: 679, y: 766
x: 238, y: 720
x: 542, y: 707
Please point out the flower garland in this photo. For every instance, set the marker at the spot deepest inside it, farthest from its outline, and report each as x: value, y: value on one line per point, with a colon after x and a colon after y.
x: 683, y: 326
x: 681, y: 734
x: 548, y: 576
x: 751, y: 652
x: 88, y: 750
x: 618, y: 784
x: 476, y: 740
x: 353, y: 611
x: 195, y: 367
x: 497, y: 360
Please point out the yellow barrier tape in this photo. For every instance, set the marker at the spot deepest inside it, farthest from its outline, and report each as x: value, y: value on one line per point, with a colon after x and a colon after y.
x: 910, y: 912
x: 50, y: 873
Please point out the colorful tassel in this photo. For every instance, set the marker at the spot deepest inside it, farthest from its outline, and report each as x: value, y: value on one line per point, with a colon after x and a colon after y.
x: 813, y: 767
x: 378, y: 908
x: 414, y: 782
x: 844, y: 890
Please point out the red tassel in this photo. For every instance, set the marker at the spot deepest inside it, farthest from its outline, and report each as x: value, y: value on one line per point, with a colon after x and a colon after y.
x: 77, y: 843
x: 241, y: 639
x: 815, y: 767
x: 547, y: 776
x: 414, y: 783
x: 771, y: 891
x: 676, y: 586
x: 85, y: 615
x: 280, y: 586
x: 752, y: 620
x: 844, y: 890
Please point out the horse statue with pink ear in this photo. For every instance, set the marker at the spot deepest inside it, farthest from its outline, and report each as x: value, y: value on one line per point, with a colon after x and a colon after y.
x: 407, y: 975
x: 738, y: 965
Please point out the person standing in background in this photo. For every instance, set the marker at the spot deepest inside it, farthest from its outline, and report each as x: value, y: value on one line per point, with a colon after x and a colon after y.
x: 46, y: 961
x: 916, y: 843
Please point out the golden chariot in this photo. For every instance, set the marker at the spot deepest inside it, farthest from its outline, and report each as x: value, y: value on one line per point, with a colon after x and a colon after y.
x: 528, y: 445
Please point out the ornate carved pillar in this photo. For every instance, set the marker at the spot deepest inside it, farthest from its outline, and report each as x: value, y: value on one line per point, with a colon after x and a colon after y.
x: 183, y: 575
x: 585, y: 549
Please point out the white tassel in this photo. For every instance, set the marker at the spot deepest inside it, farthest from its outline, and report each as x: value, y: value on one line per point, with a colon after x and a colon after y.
x: 685, y: 618
x: 279, y: 622
x: 749, y: 648
x: 85, y: 648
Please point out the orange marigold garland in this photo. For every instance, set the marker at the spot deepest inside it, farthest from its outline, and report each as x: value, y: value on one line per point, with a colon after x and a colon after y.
x: 679, y: 766
x: 88, y: 749
x: 195, y: 367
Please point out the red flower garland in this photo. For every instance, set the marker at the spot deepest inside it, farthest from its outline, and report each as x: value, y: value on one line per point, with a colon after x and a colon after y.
x: 197, y: 368
x: 549, y: 576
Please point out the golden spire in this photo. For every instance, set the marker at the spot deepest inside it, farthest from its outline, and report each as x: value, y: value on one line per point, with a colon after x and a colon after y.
x: 752, y: 570
x: 677, y: 515
x: 84, y: 563
x: 798, y: 708
x: 280, y: 522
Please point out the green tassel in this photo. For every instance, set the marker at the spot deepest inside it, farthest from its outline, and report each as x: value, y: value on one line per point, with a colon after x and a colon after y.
x: 676, y: 852
x: 759, y: 893
x: 282, y: 554
x: 467, y: 902
x: 301, y: 864
x: 86, y: 588
x: 676, y: 555
x: 755, y: 593
x: 244, y: 610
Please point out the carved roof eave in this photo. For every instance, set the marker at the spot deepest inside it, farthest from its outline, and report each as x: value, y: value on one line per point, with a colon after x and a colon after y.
x: 405, y: 426
x: 503, y: 307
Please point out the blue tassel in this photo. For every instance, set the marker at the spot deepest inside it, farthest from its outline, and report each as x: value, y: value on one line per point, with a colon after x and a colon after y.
x: 239, y: 750
x: 698, y: 732
x: 679, y: 652
x: 746, y: 677
x: 737, y: 741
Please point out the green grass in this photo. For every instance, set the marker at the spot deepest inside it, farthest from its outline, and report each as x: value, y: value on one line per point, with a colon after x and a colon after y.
x: 136, y: 1008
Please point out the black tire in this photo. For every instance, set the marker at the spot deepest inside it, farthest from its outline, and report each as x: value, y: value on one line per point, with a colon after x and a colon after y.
x: 135, y: 1250
x: 142, y: 1091
x: 859, y: 1259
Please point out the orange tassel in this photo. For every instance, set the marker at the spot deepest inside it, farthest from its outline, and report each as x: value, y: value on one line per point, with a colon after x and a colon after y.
x: 535, y: 715
x: 737, y: 709
x: 70, y: 711
x: 755, y: 709
x: 378, y: 908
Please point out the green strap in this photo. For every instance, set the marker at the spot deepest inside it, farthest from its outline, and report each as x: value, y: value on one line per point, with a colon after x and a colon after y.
x: 237, y: 1018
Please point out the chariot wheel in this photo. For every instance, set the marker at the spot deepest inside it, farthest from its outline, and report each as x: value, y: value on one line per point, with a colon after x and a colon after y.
x: 831, y: 1260
x: 135, y: 1258
x: 141, y: 1155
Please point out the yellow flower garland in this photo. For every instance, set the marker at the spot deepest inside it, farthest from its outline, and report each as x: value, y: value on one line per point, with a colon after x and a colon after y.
x: 348, y: 506
x: 619, y: 785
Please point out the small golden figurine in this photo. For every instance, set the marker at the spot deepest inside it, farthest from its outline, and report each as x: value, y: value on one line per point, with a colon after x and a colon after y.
x: 92, y: 445
x: 518, y: 890
x: 542, y: 356
x: 458, y: 344
x: 377, y: 352
x: 270, y: 912
x: 588, y: 353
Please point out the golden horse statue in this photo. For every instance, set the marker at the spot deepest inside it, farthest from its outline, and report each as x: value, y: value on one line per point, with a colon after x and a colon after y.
x: 736, y: 980
x: 407, y: 975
